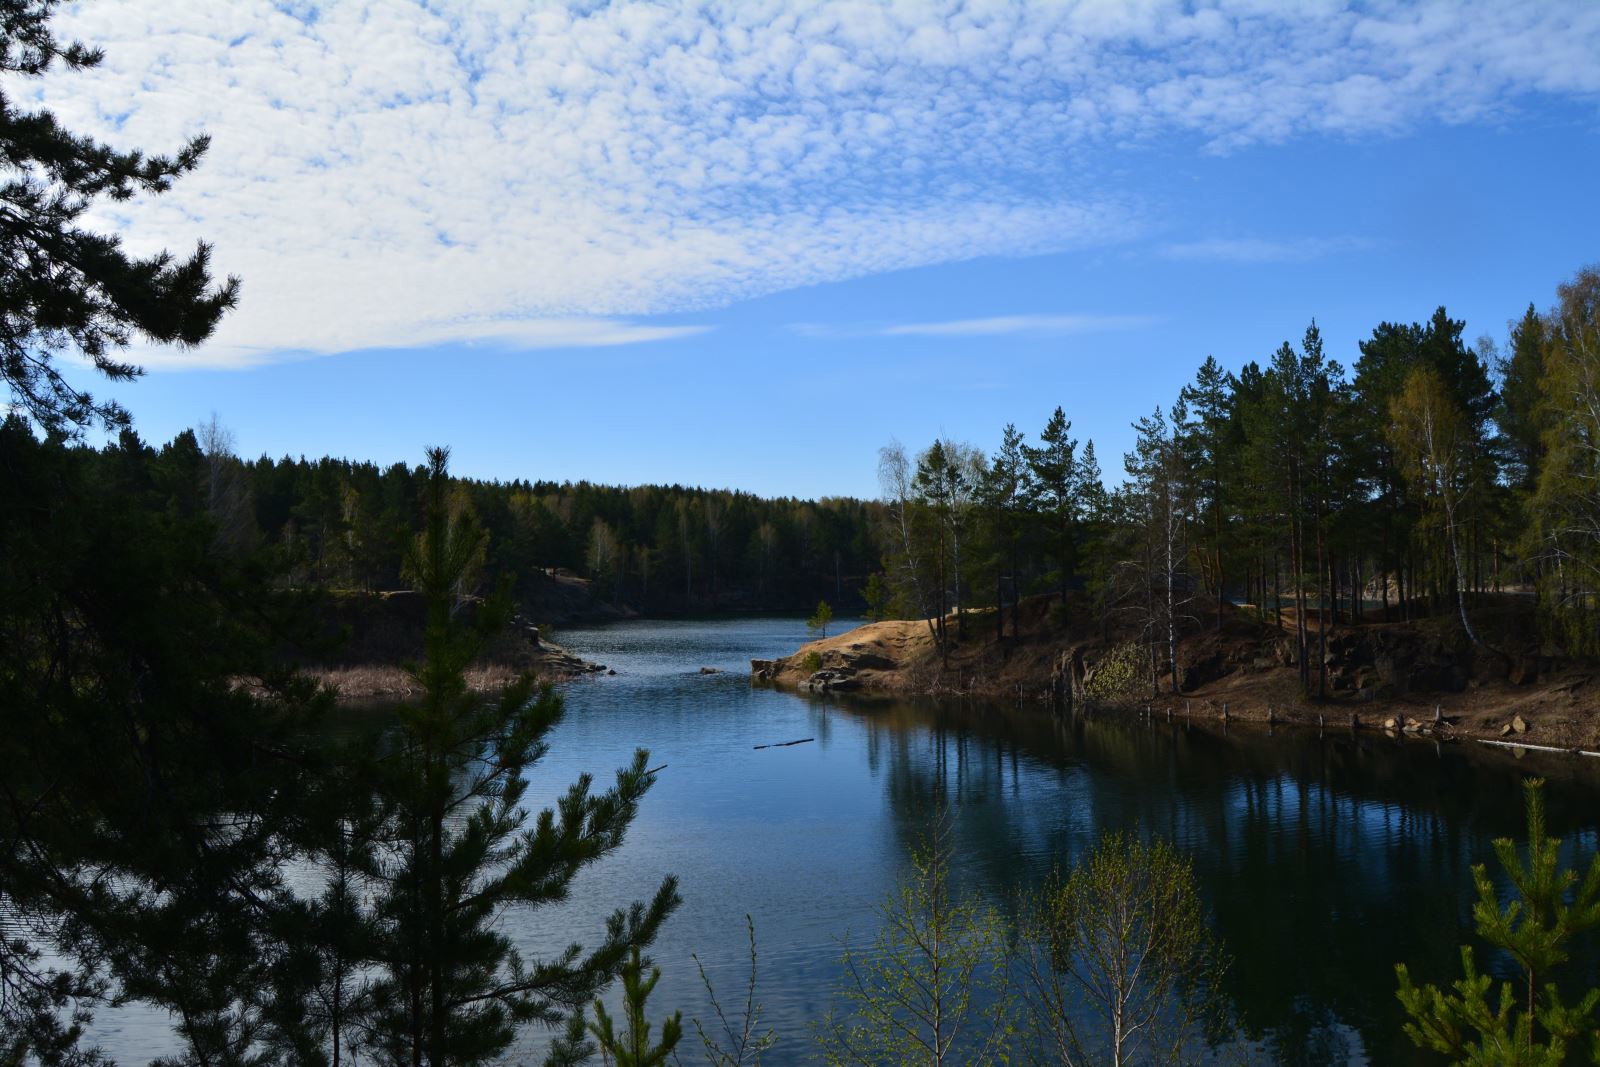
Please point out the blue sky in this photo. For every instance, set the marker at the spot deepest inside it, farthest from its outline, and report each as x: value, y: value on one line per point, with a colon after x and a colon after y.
x: 746, y: 245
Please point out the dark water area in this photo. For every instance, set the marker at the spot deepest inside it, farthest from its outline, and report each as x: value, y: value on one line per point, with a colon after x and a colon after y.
x: 1323, y: 860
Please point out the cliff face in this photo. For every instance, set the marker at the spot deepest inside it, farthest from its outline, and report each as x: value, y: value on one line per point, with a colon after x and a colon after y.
x: 1420, y: 678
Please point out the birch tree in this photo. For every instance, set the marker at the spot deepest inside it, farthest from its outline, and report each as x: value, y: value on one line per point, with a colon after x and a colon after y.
x: 1565, y: 534
x: 1430, y: 436
x: 1158, y: 482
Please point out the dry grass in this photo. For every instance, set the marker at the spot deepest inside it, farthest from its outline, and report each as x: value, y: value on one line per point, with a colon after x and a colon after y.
x: 376, y: 681
x: 1562, y: 709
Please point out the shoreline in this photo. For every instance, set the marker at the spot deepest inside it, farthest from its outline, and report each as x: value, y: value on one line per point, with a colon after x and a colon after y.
x: 364, y: 682
x: 1557, y: 712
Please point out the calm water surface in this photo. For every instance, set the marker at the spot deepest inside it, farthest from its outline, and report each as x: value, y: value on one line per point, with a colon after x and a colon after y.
x: 1323, y: 860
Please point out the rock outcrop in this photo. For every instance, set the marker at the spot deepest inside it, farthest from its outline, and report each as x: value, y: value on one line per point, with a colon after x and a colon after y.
x: 866, y: 658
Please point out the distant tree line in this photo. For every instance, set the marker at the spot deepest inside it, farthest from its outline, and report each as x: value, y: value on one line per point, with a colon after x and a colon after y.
x: 655, y: 549
x: 1429, y: 475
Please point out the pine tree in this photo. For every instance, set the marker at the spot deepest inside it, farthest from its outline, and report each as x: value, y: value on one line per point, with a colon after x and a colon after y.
x: 460, y: 851
x: 818, y: 623
x: 632, y: 1047
x: 1210, y: 445
x: 1522, y: 416
x: 1003, y: 491
x: 65, y: 289
x: 1551, y: 906
x: 1055, y: 495
x: 150, y: 802
x: 932, y: 523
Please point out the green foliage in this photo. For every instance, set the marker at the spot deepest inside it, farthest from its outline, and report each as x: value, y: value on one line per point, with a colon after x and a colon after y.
x: 818, y: 623
x: 124, y: 630
x: 1523, y: 414
x: 1564, y: 536
x: 632, y: 1047
x: 1550, y: 905
x: 654, y: 548
x: 876, y: 595
x: 750, y: 1042
x: 1055, y: 489
x: 812, y: 662
x: 70, y: 289
x: 1003, y: 494
x: 1122, y: 674
x: 459, y: 849
x: 1118, y: 962
x: 933, y: 988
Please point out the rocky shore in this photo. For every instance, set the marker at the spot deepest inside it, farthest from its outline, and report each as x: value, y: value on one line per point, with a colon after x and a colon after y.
x: 373, y: 636
x: 1410, y: 680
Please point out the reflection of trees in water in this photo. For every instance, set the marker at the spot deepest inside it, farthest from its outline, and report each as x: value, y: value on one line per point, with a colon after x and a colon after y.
x: 1324, y: 860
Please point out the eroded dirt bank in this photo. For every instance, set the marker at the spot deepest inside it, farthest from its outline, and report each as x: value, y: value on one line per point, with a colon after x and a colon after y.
x: 1417, y: 678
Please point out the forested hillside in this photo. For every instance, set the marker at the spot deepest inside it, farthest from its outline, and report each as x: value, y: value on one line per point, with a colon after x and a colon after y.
x: 344, y: 524
x: 1431, y: 478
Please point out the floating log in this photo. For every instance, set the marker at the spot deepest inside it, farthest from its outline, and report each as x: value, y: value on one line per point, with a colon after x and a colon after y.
x: 786, y: 744
x: 1537, y: 748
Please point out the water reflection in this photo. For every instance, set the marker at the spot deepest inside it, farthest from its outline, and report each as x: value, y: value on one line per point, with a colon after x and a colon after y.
x: 1324, y: 860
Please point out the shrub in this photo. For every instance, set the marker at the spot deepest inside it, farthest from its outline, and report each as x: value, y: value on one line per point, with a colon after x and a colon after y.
x: 1122, y: 674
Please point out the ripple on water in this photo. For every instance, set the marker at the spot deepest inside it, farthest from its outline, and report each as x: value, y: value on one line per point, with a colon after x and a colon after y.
x: 1323, y: 861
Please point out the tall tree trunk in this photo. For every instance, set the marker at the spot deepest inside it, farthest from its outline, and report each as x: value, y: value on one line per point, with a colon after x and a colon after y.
x: 955, y: 543
x: 1172, y: 575
x: 1322, y: 614
x: 1277, y: 588
x: 1222, y: 585
x: 1016, y: 595
x: 436, y: 983
x: 999, y: 606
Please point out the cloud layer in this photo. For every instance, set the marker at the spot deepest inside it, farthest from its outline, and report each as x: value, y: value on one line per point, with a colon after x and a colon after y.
x: 386, y: 172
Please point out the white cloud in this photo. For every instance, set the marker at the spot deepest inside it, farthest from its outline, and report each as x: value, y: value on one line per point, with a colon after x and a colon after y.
x: 385, y: 171
x: 1257, y: 250
x: 1041, y: 325
x: 510, y: 334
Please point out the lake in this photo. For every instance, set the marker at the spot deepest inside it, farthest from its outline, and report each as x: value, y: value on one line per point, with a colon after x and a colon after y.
x: 1323, y: 860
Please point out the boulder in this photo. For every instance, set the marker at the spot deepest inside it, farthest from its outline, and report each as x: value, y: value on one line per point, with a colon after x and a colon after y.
x: 830, y: 681
x: 1519, y: 724
x: 866, y: 661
